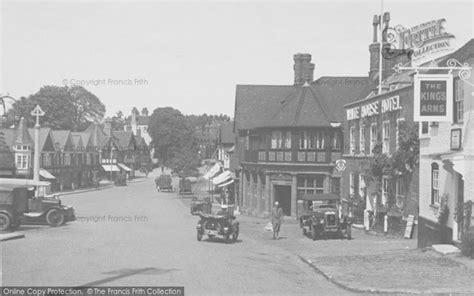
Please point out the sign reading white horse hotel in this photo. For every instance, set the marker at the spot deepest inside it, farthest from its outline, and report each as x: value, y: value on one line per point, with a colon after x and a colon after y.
x: 374, y: 108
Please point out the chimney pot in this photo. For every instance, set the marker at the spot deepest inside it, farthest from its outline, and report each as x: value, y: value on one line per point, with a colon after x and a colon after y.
x: 303, y: 68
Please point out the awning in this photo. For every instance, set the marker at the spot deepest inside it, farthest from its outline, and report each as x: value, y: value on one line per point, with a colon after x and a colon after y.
x: 45, y: 174
x: 226, y: 183
x: 213, y: 171
x: 221, y: 178
x: 110, y: 168
x: 124, y: 167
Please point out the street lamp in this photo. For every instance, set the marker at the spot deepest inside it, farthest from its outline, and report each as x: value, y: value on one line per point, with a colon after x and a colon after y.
x: 37, y: 112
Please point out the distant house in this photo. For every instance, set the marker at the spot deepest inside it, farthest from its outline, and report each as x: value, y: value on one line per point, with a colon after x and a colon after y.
x: 225, y: 144
x: 138, y: 124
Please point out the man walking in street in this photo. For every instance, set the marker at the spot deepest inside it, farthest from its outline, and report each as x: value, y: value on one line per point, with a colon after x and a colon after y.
x: 277, y: 218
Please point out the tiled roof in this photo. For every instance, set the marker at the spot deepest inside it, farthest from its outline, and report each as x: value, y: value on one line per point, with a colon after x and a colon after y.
x: 22, y: 136
x: 140, y: 141
x: 317, y: 104
x: 61, y: 137
x: 84, y: 136
x: 97, y: 136
x: 77, y: 141
x: 44, y: 133
x: 226, y: 133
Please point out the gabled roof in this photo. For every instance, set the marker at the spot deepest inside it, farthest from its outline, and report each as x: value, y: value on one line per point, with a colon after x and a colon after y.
x: 22, y: 136
x: 62, y: 138
x: 44, y: 133
x: 97, y: 136
x: 85, y: 137
x: 314, y: 105
x: 125, y: 139
x: 140, y: 141
x: 77, y: 141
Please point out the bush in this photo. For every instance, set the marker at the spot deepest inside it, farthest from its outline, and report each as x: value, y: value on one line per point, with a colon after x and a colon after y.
x: 467, y: 243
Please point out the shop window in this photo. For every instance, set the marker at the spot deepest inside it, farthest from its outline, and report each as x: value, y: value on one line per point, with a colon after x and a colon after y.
x: 434, y: 183
x: 310, y: 185
x: 397, y: 139
x: 458, y: 100
x: 362, y: 139
x: 386, y: 137
x: 352, y: 136
x: 373, y: 136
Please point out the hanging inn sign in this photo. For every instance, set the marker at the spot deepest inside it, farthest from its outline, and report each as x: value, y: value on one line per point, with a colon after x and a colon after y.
x: 433, y: 97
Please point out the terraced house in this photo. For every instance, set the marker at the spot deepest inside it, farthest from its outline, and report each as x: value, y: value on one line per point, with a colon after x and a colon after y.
x: 289, y: 137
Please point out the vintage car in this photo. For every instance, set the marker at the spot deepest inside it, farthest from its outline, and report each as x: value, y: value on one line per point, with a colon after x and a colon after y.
x: 220, y: 224
x: 322, y: 217
x: 185, y: 186
x: 24, y: 201
x: 164, y: 183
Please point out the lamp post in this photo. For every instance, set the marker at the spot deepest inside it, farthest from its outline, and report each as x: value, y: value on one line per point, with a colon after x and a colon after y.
x: 37, y: 112
x: 112, y: 148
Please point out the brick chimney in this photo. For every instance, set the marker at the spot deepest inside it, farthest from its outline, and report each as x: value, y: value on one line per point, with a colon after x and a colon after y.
x: 303, y: 68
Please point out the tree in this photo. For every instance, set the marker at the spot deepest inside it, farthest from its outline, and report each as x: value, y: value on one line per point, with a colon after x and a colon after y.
x: 65, y: 107
x: 118, y: 120
x: 145, y: 111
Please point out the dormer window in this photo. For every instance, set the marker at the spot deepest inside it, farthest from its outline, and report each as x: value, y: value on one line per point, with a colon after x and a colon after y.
x: 22, y: 148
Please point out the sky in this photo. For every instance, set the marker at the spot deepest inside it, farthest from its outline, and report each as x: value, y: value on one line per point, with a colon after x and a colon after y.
x: 191, y: 55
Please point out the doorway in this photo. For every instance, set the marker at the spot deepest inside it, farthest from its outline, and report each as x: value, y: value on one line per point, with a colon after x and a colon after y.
x: 283, y: 196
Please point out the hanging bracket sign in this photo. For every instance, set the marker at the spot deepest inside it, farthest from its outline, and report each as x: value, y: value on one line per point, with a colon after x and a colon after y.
x: 433, y: 97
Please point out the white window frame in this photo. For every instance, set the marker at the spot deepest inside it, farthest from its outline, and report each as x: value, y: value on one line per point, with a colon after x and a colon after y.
x: 386, y: 137
x: 288, y: 140
x: 397, y: 132
x: 399, y: 188
x: 362, y: 186
x: 435, y: 185
x: 352, y: 140
x: 373, y: 136
x: 320, y: 135
x: 362, y: 139
x: 385, y: 189
x: 459, y: 100
x: 351, y: 183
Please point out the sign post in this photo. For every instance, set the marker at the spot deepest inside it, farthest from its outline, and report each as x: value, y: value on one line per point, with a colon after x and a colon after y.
x: 433, y: 97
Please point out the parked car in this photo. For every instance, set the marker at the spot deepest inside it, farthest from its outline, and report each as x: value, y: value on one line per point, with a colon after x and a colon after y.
x: 322, y: 218
x: 24, y: 201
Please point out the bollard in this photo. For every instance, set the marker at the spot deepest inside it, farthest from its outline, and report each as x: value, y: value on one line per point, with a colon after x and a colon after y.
x: 385, y: 223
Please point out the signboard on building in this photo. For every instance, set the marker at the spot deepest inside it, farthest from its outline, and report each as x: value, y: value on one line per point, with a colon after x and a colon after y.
x: 456, y: 139
x: 433, y: 97
x: 427, y: 40
x: 381, y: 106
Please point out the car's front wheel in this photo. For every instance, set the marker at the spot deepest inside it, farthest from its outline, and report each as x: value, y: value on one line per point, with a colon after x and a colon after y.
x: 55, y: 217
x: 5, y: 222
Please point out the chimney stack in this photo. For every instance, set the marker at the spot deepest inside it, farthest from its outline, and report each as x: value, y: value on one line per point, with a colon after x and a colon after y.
x: 303, y: 68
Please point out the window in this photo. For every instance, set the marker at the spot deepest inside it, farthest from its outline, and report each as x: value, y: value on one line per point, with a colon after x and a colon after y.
x: 353, y: 184
x: 22, y: 147
x: 434, y: 183
x: 67, y: 159
x: 399, y: 187
x: 336, y: 141
x: 373, y: 136
x: 352, y: 140
x: 385, y: 189
x: 336, y: 186
x: 425, y: 127
x: 22, y: 161
x: 399, y: 122
x: 277, y: 139
x: 304, y: 139
x: 46, y: 160
x: 458, y: 100
x: 319, y: 139
x: 362, y: 139
x: 362, y: 186
x: 310, y: 185
x: 288, y: 140
x: 386, y: 137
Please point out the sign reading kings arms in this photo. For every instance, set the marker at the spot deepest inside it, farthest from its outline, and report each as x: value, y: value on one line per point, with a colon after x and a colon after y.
x: 433, y: 97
